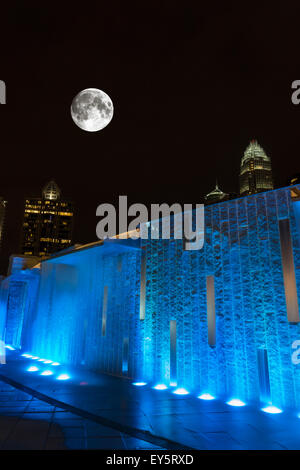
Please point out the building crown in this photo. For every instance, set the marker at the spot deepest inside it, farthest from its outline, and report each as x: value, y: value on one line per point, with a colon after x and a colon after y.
x: 51, y: 191
x: 254, y: 150
x: 215, y: 193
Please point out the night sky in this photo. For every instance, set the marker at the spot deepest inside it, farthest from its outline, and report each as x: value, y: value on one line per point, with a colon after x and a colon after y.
x: 191, y: 86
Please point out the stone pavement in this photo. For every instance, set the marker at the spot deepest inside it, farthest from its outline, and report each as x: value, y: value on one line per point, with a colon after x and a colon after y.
x: 27, y: 423
x: 151, y: 417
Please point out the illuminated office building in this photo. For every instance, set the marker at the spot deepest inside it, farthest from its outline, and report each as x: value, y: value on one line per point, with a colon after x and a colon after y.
x: 256, y: 170
x: 48, y: 223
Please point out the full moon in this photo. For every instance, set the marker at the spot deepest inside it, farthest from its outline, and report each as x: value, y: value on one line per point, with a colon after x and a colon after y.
x: 92, y: 109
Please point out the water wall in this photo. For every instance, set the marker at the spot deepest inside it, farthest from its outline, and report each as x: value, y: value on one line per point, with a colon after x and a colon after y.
x: 233, y: 306
x: 86, y: 309
x: 220, y: 320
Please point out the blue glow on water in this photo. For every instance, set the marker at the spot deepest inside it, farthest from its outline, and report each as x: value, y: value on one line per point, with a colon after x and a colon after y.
x: 181, y: 391
x: 173, y: 384
x: 41, y: 360
x: 9, y: 347
x: 34, y: 357
x: 26, y: 355
x: 32, y: 369
x: 206, y: 396
x: 55, y: 364
x: 271, y: 409
x: 47, y: 362
x: 160, y: 387
x: 139, y: 384
x: 236, y: 402
x: 63, y: 377
x: 47, y: 372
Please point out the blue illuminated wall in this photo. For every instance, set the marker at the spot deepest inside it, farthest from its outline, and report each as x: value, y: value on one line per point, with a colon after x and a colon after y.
x: 67, y: 324
x: 142, y: 312
x: 242, y: 252
x: 18, y: 297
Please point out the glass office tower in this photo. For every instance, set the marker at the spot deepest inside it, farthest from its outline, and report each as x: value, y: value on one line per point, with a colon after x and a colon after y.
x: 48, y: 223
x: 255, y: 171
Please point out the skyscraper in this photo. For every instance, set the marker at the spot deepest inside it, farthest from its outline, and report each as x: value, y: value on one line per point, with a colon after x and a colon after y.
x: 2, y: 217
x: 48, y: 223
x: 256, y: 170
x: 216, y: 195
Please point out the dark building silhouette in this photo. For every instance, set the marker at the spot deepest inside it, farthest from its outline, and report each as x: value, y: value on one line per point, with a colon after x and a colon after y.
x: 2, y: 218
x: 48, y: 223
x: 256, y: 170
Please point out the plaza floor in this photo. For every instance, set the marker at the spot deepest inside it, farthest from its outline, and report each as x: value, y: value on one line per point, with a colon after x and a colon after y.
x: 27, y: 423
x: 94, y: 411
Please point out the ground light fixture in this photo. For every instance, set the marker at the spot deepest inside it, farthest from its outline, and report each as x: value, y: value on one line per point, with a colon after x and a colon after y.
x: 206, y: 396
x: 37, y: 358
x: 235, y: 402
x: 271, y: 409
x: 63, y: 377
x: 47, y: 372
x: 181, y: 391
x: 160, y: 387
